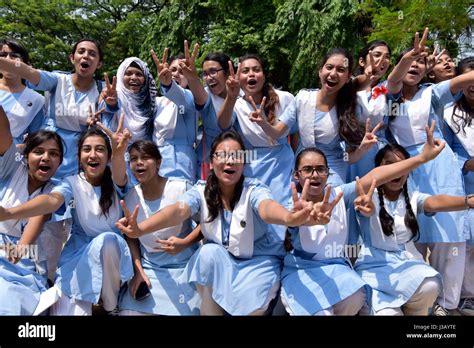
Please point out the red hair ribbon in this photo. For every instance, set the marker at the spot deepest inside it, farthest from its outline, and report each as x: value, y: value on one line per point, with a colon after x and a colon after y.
x: 377, y: 91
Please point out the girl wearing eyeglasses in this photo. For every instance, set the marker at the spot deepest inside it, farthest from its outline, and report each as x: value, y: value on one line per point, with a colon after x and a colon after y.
x: 22, y: 105
x: 238, y: 270
x: 208, y: 100
x: 317, y: 277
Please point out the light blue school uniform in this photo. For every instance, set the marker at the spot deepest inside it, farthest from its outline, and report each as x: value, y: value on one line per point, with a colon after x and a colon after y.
x: 169, y: 296
x: 210, y: 128
x: 376, y: 110
x: 270, y: 161
x: 24, y: 111
x: 316, y: 273
x: 241, y: 260
x: 462, y: 144
x: 174, y: 132
x: 22, y: 283
x: 392, y: 265
x: 80, y: 269
x: 318, y: 129
x: 67, y: 112
x: 439, y: 176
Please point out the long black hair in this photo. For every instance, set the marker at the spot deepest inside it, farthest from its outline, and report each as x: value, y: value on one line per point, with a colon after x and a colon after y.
x: 465, y: 116
x: 107, y: 195
x: 268, y: 91
x: 386, y: 220
x: 365, y: 51
x: 212, y: 191
x: 350, y: 129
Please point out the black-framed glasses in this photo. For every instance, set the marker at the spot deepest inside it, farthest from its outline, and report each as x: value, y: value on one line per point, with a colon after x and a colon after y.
x: 309, y: 170
x: 210, y: 72
x: 12, y: 55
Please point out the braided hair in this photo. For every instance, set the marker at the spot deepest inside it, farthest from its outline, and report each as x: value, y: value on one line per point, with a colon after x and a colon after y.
x: 386, y: 220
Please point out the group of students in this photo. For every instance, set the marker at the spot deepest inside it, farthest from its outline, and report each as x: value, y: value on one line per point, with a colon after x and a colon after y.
x: 325, y: 203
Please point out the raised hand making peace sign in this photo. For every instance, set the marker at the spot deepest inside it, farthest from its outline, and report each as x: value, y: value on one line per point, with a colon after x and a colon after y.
x: 233, y: 83
x: 363, y: 202
x: 128, y: 224
x: 188, y: 66
x: 316, y: 217
x: 118, y: 138
x: 433, y: 147
x: 258, y: 115
x: 94, y: 117
x: 419, y: 48
x: 370, y: 137
x: 373, y: 70
x: 164, y: 73
x: 109, y: 94
x: 323, y: 210
x: 433, y: 58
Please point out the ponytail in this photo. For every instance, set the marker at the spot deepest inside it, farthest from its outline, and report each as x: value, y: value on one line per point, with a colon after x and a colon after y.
x: 271, y: 102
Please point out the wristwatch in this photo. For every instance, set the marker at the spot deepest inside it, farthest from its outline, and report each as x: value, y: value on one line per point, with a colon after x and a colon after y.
x: 466, y: 200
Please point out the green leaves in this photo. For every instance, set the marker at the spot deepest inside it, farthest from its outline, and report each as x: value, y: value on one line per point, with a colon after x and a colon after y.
x: 291, y: 36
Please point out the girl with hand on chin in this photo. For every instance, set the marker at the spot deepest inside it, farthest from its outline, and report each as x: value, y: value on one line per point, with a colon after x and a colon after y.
x: 70, y: 96
x: 23, y: 270
x: 317, y: 278
x: 414, y: 106
x: 238, y: 269
x: 96, y: 258
x: 157, y: 269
